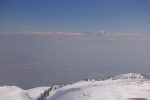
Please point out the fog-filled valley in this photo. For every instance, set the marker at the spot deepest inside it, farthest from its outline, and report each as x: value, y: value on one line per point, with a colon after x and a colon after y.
x: 30, y: 61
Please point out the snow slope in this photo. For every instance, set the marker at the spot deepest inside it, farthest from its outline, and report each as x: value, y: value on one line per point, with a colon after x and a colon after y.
x: 121, y: 87
x: 16, y: 93
x: 125, y: 86
x: 12, y: 93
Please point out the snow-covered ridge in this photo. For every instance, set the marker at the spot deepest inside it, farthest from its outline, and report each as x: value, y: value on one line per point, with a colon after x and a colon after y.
x: 130, y: 76
x: 121, y: 87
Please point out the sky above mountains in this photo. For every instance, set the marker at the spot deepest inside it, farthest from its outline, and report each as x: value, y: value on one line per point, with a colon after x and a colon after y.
x: 75, y: 15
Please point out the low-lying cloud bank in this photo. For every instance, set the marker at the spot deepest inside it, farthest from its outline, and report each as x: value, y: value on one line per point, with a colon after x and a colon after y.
x: 41, y: 33
x: 108, y: 35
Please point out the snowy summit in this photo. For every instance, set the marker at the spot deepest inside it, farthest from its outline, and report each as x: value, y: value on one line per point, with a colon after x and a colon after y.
x: 130, y: 76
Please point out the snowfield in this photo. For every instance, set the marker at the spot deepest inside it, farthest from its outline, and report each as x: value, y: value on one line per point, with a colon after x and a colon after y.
x: 121, y: 87
x: 16, y: 93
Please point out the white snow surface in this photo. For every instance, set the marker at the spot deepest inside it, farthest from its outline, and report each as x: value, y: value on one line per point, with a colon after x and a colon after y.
x: 111, y: 89
x: 130, y: 76
x: 16, y: 93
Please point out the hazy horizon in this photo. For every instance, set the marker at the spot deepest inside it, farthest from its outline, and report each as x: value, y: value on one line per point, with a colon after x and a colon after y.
x: 47, y: 42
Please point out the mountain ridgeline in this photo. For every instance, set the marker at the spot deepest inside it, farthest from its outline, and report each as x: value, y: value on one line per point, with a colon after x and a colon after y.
x: 124, y: 77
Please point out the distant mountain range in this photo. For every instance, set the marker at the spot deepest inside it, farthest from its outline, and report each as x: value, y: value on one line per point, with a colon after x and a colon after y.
x: 102, y: 34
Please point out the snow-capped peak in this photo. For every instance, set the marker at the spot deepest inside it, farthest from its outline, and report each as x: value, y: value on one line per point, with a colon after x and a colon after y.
x: 130, y: 76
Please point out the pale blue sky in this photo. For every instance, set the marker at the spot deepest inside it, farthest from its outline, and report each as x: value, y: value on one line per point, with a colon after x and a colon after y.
x: 75, y: 15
